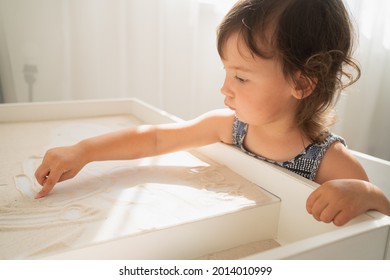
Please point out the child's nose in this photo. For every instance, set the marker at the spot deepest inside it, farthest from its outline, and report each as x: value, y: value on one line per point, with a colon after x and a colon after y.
x: 225, y: 90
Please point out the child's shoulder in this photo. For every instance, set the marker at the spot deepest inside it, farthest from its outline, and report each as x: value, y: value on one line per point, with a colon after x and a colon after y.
x: 339, y: 163
x: 222, y: 120
x: 217, y: 124
x: 220, y: 113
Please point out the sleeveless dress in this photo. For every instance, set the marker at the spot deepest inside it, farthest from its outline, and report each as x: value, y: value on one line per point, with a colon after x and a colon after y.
x: 304, y: 164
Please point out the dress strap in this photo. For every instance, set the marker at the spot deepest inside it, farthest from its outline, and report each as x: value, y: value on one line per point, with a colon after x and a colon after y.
x: 239, y: 131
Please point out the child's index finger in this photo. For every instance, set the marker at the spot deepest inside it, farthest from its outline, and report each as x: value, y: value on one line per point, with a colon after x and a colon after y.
x: 49, y: 182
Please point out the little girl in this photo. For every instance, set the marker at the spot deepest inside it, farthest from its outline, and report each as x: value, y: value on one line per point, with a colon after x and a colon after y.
x: 284, y: 67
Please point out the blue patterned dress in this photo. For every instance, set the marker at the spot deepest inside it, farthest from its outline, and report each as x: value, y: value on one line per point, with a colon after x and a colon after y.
x: 305, y: 163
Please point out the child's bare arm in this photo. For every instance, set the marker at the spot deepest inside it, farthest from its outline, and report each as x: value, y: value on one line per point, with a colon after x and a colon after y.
x: 63, y: 163
x: 341, y: 200
x: 345, y: 191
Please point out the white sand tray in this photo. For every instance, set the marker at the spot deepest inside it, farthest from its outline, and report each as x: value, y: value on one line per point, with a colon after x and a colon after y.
x: 108, y: 200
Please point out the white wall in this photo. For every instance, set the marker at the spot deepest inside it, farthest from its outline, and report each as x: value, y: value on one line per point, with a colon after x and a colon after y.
x: 163, y: 52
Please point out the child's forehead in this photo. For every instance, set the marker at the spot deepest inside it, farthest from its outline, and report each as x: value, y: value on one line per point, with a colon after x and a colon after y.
x: 236, y: 51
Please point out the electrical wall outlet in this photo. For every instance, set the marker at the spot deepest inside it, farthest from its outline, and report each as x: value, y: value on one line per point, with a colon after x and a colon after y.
x: 30, y: 72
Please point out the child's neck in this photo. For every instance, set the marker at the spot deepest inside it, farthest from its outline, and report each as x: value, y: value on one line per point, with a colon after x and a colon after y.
x: 280, y: 144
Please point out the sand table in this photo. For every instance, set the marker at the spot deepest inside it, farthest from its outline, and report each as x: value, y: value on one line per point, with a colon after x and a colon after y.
x: 106, y: 200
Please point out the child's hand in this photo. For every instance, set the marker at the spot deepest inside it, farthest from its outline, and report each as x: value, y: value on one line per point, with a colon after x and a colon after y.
x: 339, y: 201
x: 58, y: 164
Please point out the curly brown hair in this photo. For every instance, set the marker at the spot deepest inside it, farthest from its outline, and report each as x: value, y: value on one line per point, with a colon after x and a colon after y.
x: 310, y: 37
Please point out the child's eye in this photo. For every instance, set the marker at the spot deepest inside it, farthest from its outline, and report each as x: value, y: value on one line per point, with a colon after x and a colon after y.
x: 241, y: 80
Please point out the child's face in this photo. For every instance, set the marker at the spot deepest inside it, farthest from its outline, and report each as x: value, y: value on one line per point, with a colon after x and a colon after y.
x: 256, y: 88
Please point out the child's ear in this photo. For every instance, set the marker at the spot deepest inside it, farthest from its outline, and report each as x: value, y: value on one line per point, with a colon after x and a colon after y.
x: 303, y: 86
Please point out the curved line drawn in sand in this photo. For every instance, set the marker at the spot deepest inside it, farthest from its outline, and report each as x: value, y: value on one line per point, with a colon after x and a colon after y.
x: 29, y: 218
x: 87, y: 183
x: 76, y: 189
